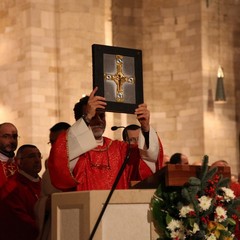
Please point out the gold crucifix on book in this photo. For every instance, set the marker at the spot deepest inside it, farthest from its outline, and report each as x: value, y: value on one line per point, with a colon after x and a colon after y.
x: 119, y: 78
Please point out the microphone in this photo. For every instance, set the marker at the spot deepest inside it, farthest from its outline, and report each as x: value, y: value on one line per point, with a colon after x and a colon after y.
x: 114, y: 128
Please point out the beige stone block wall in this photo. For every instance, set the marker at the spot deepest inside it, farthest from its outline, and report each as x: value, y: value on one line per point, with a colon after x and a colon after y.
x: 220, y: 28
x: 170, y: 39
x: 46, y: 62
x: 179, y: 44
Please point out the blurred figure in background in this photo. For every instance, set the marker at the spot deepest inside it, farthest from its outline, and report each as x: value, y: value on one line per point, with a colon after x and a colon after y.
x: 19, y: 195
x: 8, y: 144
x: 178, y: 158
x: 43, y: 205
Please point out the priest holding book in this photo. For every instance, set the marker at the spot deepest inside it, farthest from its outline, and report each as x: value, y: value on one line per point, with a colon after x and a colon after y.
x: 82, y: 159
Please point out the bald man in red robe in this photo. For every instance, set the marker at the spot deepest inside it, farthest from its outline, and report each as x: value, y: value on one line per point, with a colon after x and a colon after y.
x: 8, y: 144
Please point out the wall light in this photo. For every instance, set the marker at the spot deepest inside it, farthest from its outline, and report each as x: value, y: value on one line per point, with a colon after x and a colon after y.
x: 220, y: 93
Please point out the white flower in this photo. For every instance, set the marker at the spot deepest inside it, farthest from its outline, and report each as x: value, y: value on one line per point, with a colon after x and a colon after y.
x: 177, y: 235
x: 195, y: 228
x: 211, y: 237
x: 177, y: 229
x: 205, y: 202
x: 175, y: 224
x: 185, y: 210
x: 221, y: 214
x: 228, y: 194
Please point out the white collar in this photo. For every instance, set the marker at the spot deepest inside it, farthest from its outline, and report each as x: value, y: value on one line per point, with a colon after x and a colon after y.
x: 29, y: 176
x: 100, y: 142
x: 3, y: 158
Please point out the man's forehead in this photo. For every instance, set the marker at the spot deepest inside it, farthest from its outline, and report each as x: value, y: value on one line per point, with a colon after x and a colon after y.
x: 7, y: 127
x: 30, y: 150
x: 136, y: 131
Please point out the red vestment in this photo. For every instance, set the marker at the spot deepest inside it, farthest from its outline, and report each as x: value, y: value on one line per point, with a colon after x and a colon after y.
x: 144, y: 169
x: 7, y: 169
x: 235, y: 186
x: 95, y: 169
x: 17, y: 208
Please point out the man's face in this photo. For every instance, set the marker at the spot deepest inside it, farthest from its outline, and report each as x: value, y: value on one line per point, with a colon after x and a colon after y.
x: 184, y: 159
x: 30, y: 161
x: 133, y: 136
x: 98, y: 124
x: 8, y: 138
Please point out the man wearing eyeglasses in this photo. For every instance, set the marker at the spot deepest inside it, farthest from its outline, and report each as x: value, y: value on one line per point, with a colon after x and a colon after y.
x: 19, y: 195
x: 87, y: 160
x: 8, y: 144
x: 130, y: 134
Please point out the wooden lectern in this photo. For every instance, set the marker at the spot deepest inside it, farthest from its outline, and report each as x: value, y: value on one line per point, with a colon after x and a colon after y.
x: 174, y: 175
x: 127, y: 217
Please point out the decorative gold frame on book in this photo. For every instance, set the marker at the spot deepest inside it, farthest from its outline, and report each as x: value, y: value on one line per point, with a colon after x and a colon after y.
x: 117, y: 72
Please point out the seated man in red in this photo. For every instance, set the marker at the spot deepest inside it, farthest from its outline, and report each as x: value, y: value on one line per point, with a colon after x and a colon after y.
x: 83, y: 159
x: 19, y: 195
x: 8, y: 144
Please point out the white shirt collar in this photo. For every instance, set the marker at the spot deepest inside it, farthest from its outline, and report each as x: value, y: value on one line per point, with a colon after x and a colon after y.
x: 29, y: 176
x: 100, y: 142
x: 3, y: 158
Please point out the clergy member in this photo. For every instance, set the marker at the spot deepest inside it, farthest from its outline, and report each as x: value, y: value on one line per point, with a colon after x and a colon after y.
x: 130, y: 134
x: 19, y: 195
x: 43, y: 205
x: 8, y: 144
x: 83, y: 159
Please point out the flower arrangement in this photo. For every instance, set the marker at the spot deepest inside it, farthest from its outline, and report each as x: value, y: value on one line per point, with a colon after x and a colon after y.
x: 204, y: 208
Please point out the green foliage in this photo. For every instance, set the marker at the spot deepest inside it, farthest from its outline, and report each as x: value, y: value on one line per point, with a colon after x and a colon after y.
x: 191, y: 211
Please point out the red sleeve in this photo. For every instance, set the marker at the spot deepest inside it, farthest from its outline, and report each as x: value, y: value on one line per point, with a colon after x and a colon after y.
x: 58, y: 165
x: 145, y: 171
x: 159, y: 163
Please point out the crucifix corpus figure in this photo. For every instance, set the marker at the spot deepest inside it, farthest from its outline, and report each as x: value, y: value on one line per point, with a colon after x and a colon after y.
x: 119, y: 78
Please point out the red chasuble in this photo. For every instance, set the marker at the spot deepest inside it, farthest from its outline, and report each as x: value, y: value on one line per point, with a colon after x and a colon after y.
x: 16, y: 208
x: 96, y: 169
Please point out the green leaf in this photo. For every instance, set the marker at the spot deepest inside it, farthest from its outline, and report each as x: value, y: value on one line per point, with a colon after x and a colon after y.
x: 204, y: 167
x: 168, y: 219
x: 193, y: 181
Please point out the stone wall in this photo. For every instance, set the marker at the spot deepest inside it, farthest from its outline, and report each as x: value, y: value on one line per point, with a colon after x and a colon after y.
x: 46, y: 67
x: 180, y: 42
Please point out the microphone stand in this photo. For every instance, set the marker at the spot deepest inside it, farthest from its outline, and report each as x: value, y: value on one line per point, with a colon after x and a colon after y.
x: 111, y: 192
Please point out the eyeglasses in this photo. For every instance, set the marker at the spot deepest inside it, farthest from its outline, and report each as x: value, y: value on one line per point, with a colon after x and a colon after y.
x: 9, y: 136
x: 133, y: 139
x: 33, y: 156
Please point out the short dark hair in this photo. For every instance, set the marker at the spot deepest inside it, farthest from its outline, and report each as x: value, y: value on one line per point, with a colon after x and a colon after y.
x: 129, y: 127
x: 175, y: 158
x: 78, y: 108
x: 22, y: 148
x: 60, y: 126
